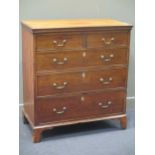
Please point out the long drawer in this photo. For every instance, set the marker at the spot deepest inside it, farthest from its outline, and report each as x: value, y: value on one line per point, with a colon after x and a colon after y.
x: 79, y: 107
x: 74, y: 59
x: 80, y: 81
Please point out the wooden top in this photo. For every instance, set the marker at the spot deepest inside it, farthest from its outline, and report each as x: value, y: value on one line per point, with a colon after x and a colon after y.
x: 72, y: 23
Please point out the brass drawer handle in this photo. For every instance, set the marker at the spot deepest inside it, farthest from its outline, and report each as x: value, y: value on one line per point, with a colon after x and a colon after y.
x: 106, y: 81
x: 103, y: 106
x: 59, y: 112
x: 55, y: 60
x: 60, y: 86
x: 106, y: 59
x: 60, y: 44
x: 108, y: 41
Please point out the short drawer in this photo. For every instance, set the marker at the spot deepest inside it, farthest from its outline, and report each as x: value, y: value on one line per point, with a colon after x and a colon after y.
x: 59, y: 42
x: 59, y: 109
x: 80, y: 81
x: 88, y: 58
x: 107, y: 39
x: 58, y: 60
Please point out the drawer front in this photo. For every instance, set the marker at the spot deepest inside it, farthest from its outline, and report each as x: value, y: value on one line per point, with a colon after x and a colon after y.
x: 59, y: 42
x: 88, y: 58
x: 58, y: 83
x: 79, y: 107
x: 105, y: 57
x: 80, y: 81
x: 58, y: 60
x: 107, y: 39
x: 102, y: 103
x: 103, y: 79
x: 56, y: 109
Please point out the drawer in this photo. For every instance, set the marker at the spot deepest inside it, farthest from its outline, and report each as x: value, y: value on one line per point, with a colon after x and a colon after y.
x: 58, y: 60
x: 80, y: 81
x: 59, y: 109
x: 107, y: 39
x: 71, y: 59
x: 59, y: 42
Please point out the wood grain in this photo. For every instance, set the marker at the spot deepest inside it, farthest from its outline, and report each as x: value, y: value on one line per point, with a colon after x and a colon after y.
x: 59, y: 41
x: 78, y: 59
x: 79, y: 107
x: 80, y: 81
x: 72, y: 23
x: 74, y: 71
x: 107, y: 39
x: 28, y: 73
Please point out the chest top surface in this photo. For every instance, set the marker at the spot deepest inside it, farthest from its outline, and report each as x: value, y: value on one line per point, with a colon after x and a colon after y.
x: 72, y: 23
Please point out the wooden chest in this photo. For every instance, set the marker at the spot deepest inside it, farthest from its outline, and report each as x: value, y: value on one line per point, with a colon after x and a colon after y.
x: 74, y: 71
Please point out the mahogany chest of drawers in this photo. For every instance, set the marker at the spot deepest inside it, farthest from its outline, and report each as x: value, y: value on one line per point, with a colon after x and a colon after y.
x: 74, y: 71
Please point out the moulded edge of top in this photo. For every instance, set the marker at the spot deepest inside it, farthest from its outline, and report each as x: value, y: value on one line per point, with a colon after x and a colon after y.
x: 40, y: 25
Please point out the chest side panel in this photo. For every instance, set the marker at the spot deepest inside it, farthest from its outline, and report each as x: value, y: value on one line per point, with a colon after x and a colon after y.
x: 28, y: 73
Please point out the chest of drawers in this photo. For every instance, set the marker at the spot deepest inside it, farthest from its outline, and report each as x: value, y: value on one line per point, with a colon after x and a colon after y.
x: 74, y: 71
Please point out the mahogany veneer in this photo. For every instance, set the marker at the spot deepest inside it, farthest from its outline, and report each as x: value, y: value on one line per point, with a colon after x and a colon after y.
x: 74, y: 71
